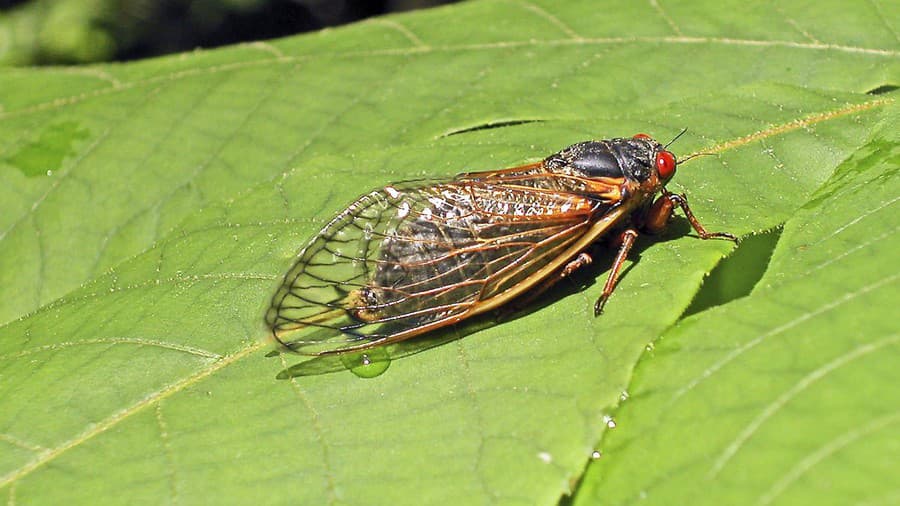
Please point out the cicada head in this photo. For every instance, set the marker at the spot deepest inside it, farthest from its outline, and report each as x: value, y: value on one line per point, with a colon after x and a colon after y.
x: 639, y: 165
x: 661, y: 161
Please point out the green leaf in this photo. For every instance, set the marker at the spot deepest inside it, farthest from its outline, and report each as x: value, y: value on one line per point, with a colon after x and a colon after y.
x: 150, y: 210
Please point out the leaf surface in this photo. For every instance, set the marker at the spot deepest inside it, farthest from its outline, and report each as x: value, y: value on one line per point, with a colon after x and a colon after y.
x: 150, y: 210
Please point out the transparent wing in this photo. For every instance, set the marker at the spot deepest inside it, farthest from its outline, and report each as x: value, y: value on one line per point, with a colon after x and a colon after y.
x: 406, y: 259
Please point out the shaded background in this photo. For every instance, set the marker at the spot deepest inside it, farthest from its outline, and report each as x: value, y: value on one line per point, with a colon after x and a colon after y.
x: 45, y: 32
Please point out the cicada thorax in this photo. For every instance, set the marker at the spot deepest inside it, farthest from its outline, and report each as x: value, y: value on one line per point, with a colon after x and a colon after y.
x: 620, y: 169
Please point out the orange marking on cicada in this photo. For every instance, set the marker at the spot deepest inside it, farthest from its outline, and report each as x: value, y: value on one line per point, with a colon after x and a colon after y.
x: 502, y: 173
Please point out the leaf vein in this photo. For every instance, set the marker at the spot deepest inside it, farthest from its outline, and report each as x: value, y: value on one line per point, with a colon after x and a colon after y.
x: 167, y: 451
x: 64, y: 301
x: 229, y: 67
x: 25, y: 445
x: 796, y: 125
x: 858, y: 247
x: 716, y: 367
x: 824, y: 452
x: 47, y: 456
x: 320, y: 435
x: 665, y: 17
x: 783, y: 399
x: 566, y: 29
x: 139, y: 341
x: 402, y: 30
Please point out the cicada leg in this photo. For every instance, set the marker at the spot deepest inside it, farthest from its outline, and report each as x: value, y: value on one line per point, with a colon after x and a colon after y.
x: 582, y: 260
x: 626, y: 238
x: 654, y: 220
x: 659, y: 213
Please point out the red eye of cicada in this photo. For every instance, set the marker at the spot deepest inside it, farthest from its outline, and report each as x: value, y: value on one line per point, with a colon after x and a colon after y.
x: 665, y: 163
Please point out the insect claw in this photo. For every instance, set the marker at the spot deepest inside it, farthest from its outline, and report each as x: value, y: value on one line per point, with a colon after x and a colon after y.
x: 580, y: 261
x: 598, y: 306
x: 680, y: 200
x: 721, y: 235
x: 730, y: 237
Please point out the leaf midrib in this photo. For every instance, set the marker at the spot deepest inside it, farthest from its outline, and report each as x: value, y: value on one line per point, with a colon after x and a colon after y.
x: 115, y: 418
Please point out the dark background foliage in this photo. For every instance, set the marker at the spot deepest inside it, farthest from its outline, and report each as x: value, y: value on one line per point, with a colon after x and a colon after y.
x: 85, y: 31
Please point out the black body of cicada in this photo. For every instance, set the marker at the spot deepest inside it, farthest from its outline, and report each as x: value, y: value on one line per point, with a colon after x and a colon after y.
x: 409, y: 258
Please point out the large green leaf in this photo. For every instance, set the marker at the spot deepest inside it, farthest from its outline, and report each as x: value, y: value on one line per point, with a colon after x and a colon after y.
x: 150, y: 209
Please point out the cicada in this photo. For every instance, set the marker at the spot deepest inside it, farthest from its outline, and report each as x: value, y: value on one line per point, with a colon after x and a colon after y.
x: 413, y: 257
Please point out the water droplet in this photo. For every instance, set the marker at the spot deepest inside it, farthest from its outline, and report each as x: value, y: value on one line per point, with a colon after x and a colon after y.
x: 545, y: 457
x: 624, y: 396
x: 596, y: 454
x: 367, y: 364
x: 608, y: 420
x: 49, y: 172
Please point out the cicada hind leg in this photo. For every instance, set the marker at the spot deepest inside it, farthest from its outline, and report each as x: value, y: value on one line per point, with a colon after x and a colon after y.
x: 582, y: 260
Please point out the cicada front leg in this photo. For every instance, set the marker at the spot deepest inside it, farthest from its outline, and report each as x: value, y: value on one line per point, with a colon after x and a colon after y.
x: 656, y: 218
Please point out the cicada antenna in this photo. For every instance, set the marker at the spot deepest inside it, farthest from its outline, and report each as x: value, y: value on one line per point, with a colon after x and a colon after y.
x: 695, y: 155
x: 675, y: 139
